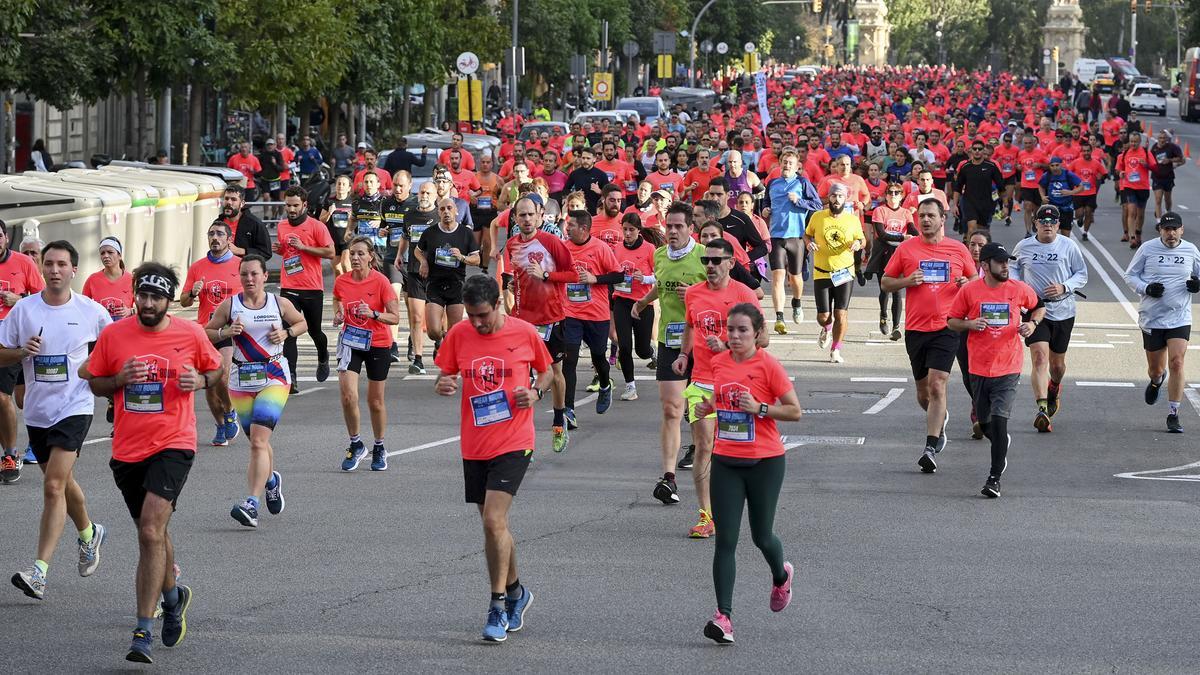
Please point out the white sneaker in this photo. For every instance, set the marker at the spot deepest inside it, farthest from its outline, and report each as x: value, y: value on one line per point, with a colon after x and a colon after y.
x: 824, y: 338
x: 797, y: 315
x: 630, y: 393
x: 835, y: 356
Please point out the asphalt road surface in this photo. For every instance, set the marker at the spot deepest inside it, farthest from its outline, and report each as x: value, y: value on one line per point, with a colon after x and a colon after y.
x: 1086, y: 564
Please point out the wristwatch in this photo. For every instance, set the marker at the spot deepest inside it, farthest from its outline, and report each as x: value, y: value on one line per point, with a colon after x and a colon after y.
x: 545, y: 276
x: 540, y: 393
x: 762, y: 409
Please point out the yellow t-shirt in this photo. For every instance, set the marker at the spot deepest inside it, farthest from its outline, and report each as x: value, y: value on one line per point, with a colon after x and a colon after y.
x: 834, y: 236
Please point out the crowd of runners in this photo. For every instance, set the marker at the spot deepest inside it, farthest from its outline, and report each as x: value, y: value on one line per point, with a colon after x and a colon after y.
x: 652, y: 243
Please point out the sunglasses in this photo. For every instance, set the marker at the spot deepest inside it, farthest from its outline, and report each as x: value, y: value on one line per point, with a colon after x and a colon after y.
x: 712, y: 260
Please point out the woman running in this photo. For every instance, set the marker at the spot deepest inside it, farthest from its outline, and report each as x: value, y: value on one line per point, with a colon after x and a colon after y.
x: 975, y: 243
x: 259, y: 322
x: 892, y: 225
x: 636, y: 257
x: 752, y: 391
x: 336, y: 216
x: 112, y: 287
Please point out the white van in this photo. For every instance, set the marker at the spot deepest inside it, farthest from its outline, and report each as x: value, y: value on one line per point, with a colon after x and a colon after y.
x: 1088, y: 70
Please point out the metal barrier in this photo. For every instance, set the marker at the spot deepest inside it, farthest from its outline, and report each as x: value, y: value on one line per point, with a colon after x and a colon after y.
x: 271, y: 223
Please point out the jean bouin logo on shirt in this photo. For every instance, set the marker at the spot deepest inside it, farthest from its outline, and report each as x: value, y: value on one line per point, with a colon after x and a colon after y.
x: 352, y: 318
x: 217, y: 290
x: 710, y: 323
x: 730, y: 394
x: 158, y: 368
x: 488, y: 373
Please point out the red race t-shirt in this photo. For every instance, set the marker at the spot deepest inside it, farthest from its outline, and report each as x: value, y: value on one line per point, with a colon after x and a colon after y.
x: 943, y: 264
x: 589, y: 302
x: 672, y: 183
x: 220, y: 280
x: 1090, y: 171
x: 998, y: 350
x: 375, y: 292
x: 154, y: 415
x: 114, y: 296
x: 536, y: 301
x: 608, y: 230
x: 491, y: 367
x: 248, y: 165
x: 302, y: 270
x: 1135, y: 165
x: 1005, y: 157
x: 741, y: 434
x: 705, y: 312
x: 1027, y: 163
x: 20, y: 275
x: 640, y: 259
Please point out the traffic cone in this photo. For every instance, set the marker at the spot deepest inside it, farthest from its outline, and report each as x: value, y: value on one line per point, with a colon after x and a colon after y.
x: 1149, y: 129
x: 1187, y: 150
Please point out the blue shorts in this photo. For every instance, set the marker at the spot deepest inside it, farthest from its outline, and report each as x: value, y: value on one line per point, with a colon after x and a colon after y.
x: 592, y: 333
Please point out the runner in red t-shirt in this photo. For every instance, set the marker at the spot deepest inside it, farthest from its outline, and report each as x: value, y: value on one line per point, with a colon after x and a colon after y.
x: 112, y: 285
x: 496, y: 357
x: 19, y: 277
x: 606, y: 225
x: 635, y: 255
x: 587, y: 308
x: 1134, y: 166
x: 1005, y: 156
x: 1090, y: 171
x: 931, y: 268
x: 988, y: 312
x: 303, y: 242
x: 1031, y: 164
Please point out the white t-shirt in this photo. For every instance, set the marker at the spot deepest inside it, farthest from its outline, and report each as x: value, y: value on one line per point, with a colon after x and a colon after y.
x: 53, y: 388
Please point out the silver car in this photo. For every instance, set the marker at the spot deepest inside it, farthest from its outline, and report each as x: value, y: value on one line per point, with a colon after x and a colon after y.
x: 1149, y: 98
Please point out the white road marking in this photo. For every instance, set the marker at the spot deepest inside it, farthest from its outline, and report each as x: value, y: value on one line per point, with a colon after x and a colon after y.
x: 1093, y: 345
x: 586, y: 399
x: 1142, y: 475
x: 1107, y: 325
x: 1085, y: 383
x: 1193, y: 397
x: 879, y: 379
x: 1116, y: 335
x: 1121, y: 342
x: 790, y: 442
x: 1112, y: 286
x: 304, y: 392
x: 97, y: 440
x: 423, y: 446
x: 884, y: 402
x: 1185, y: 208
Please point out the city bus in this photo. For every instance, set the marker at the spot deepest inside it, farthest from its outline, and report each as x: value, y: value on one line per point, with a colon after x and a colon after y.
x: 1189, y: 88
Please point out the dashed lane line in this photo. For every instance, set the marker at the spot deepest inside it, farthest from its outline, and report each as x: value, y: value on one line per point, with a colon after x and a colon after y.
x: 893, y: 394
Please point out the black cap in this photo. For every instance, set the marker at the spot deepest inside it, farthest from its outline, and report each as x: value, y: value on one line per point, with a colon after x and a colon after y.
x: 1170, y: 219
x: 994, y: 251
x: 1046, y: 212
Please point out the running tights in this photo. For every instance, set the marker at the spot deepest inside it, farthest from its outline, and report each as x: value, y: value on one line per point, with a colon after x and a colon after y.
x: 962, y: 359
x: 756, y: 486
x: 996, y: 431
x: 897, y: 305
x: 571, y: 362
x: 308, y: 303
x: 632, y: 334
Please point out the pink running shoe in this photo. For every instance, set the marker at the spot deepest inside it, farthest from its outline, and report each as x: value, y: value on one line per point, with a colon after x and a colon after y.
x: 781, y: 595
x: 719, y: 629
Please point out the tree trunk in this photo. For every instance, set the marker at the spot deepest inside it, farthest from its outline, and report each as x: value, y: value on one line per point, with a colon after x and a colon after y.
x: 196, y: 96
x: 303, y: 110
x: 142, y: 115
x: 405, y: 110
x: 351, y: 127
x: 427, y: 105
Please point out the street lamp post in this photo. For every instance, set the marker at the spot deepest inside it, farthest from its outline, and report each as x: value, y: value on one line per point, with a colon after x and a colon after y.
x: 941, y: 51
x: 692, y: 44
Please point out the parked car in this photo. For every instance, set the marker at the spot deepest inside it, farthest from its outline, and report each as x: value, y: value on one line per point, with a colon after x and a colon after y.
x: 538, y: 127
x: 1149, y: 98
x: 648, y: 108
x: 613, y: 116
x: 690, y: 98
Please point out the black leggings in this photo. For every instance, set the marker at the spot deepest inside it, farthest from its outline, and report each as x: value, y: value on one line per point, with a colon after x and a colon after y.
x: 632, y: 334
x: 897, y: 299
x: 996, y: 430
x: 733, y: 487
x: 599, y: 362
x: 308, y: 303
x: 961, y: 357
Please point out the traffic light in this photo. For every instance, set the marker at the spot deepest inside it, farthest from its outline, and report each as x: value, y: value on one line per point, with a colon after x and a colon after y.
x: 1054, y: 54
x: 817, y: 6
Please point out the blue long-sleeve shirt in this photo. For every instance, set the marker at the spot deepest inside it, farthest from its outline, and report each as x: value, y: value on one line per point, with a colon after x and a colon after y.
x: 788, y: 220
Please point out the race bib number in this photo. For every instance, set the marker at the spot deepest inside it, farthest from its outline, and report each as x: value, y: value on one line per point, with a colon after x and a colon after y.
x: 674, y: 337
x: 1008, y: 167
x: 840, y: 277
x: 368, y: 228
x: 1087, y: 185
x: 442, y: 256
x: 395, y: 235
x: 935, y: 271
x: 735, y: 425
x: 625, y: 286
x: 50, y: 368
x: 144, y: 397
x: 273, y: 186
x: 491, y: 408
x: 292, y: 265
x: 252, y: 375
x: 669, y: 187
x: 1135, y: 177
x: 996, y: 314
x: 415, y: 232
x: 356, y: 338
x: 579, y: 292
x: 544, y: 331
x: 340, y: 218
x: 485, y: 202
x: 1030, y: 176
x: 630, y: 186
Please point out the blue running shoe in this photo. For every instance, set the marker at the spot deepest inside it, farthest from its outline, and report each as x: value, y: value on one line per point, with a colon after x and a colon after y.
x: 604, y: 399
x: 232, y: 427
x: 175, y: 618
x: 30, y: 458
x: 516, y: 610
x: 354, y: 455
x: 245, y: 513
x: 139, y: 650
x: 220, y: 440
x: 378, y: 457
x: 569, y: 416
x: 275, y: 501
x: 496, y: 629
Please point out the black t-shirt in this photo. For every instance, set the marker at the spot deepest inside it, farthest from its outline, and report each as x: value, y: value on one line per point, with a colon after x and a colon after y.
x: 975, y: 182
x: 368, y: 216
x: 416, y: 222
x: 582, y: 180
x: 742, y: 228
x: 436, y: 243
x: 1164, y: 155
x: 339, y: 217
x: 394, y: 213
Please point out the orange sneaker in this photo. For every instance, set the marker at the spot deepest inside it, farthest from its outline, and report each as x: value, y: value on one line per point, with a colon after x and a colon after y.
x: 705, y: 528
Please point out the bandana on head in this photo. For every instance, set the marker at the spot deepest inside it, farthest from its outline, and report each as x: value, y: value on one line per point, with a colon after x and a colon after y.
x: 156, y: 285
x: 113, y: 242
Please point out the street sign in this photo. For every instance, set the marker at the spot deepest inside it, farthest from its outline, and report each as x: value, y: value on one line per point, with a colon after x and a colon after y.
x: 578, y: 66
x: 1046, y: 60
x: 749, y: 47
x: 1046, y: 52
x: 630, y: 49
x: 706, y: 46
x: 602, y: 86
x: 722, y: 48
x: 470, y: 100
x: 664, y: 42
x: 467, y: 63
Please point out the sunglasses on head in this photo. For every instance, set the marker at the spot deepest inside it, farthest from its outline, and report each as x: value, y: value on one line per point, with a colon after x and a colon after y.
x: 713, y: 259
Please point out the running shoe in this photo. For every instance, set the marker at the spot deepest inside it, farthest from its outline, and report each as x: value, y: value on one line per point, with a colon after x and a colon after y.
x: 689, y: 458
x: 10, y: 469
x: 89, y: 553
x: 245, y: 513
x: 219, y: 440
x: 652, y: 364
x: 926, y: 462
x: 1173, y: 425
x: 416, y: 368
x: 1007, y: 221
x: 569, y: 416
x: 666, y: 492
x: 378, y: 457
x: 719, y: 629
x: 604, y: 399
x: 174, y: 626
x: 354, y: 455
x: 976, y: 430
x: 561, y: 439
x: 797, y: 315
x: 883, y: 325
x: 437, y: 345
x: 295, y: 388
x: 496, y: 628
x: 824, y: 338
x: 991, y: 488
x: 942, y: 440
x: 612, y: 355
x: 515, y: 609
x: 232, y: 427
x: 1152, y: 391
x: 860, y: 277
x: 394, y: 353
x: 322, y: 371
x: 704, y: 528
x: 1083, y: 236
x: 780, y: 327
x: 630, y: 393
x: 30, y: 458
x: 139, y: 649
x: 781, y: 595
x: 1041, y: 422
x: 835, y: 356
x: 31, y: 583
x: 1053, y: 396
x: 275, y: 501
x: 895, y: 336
x: 595, y: 385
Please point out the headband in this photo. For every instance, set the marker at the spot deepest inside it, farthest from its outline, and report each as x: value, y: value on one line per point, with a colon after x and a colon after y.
x: 113, y: 242
x: 157, y: 285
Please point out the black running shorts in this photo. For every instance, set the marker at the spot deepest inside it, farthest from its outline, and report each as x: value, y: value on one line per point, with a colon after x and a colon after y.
x: 502, y: 473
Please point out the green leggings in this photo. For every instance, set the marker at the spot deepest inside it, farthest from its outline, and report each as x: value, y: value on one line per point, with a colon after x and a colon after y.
x: 732, y: 487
